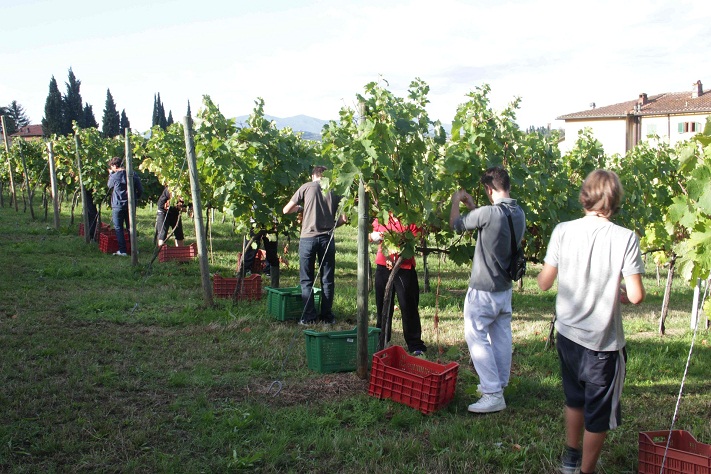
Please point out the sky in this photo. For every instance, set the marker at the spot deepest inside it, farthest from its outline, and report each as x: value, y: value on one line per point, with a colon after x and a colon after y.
x: 313, y: 57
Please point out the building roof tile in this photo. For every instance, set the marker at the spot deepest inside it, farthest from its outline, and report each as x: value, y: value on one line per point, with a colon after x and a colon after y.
x: 29, y: 131
x: 674, y: 103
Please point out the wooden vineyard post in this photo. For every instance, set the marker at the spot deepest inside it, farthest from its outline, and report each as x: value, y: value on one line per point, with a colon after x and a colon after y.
x: 425, y: 267
x: 667, y: 295
x: 53, y: 181
x: 197, y: 210
x: 695, y: 305
x: 363, y: 280
x: 30, y: 193
x: 131, y: 198
x: 85, y: 209
x: 9, y: 163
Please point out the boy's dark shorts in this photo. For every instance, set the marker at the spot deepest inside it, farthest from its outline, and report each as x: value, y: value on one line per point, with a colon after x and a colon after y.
x: 592, y: 381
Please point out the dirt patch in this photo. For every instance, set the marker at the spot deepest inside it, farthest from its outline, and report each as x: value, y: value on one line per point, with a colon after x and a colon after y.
x: 322, y: 388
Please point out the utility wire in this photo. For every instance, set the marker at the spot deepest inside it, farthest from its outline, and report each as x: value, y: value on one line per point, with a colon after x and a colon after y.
x: 683, y: 379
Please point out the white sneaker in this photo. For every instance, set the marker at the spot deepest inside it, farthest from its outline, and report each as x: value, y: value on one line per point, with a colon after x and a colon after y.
x: 489, y: 403
x: 121, y: 254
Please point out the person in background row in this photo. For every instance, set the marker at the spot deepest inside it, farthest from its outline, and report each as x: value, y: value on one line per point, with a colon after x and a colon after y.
x: 318, y: 224
x: 92, y: 212
x: 487, y: 307
x: 590, y: 256
x: 405, y: 286
x: 168, y: 217
x: 269, y: 241
x: 119, y: 200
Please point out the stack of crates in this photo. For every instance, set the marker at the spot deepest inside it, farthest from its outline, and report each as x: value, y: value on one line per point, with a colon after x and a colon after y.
x: 109, y: 244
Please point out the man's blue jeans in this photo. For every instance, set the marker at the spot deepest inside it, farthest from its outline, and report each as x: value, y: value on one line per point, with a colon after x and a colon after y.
x: 120, y: 217
x: 323, y: 247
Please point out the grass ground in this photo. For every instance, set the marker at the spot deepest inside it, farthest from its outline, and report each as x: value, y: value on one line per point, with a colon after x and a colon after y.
x: 105, y: 367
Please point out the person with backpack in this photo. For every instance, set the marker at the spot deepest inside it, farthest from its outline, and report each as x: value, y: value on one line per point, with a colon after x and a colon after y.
x: 487, y: 306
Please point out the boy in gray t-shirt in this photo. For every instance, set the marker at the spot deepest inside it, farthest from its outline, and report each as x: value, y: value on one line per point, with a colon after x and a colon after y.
x: 590, y: 256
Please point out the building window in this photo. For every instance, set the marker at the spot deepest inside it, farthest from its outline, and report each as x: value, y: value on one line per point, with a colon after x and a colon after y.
x: 689, y: 127
x: 651, y: 129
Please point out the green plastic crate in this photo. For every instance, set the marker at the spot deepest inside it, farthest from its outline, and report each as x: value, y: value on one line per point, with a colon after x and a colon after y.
x: 337, y: 351
x: 285, y: 304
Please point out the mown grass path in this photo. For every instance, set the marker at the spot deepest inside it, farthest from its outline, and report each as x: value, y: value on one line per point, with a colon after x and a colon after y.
x: 109, y: 368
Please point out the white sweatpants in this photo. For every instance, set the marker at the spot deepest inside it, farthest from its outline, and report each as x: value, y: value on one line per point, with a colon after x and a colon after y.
x: 487, y: 330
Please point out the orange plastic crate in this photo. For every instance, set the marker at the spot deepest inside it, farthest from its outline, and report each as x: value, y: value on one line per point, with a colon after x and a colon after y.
x: 685, y: 454
x: 415, y: 382
x: 109, y: 244
x: 180, y: 254
x: 225, y: 287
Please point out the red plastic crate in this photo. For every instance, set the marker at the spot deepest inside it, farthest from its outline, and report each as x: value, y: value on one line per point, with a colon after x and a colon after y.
x: 101, y: 229
x: 109, y: 244
x: 180, y: 254
x: 225, y: 287
x: 258, y: 263
x: 415, y: 382
x: 685, y: 454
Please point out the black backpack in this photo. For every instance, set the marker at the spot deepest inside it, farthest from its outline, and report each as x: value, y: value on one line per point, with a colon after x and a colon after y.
x: 517, y: 267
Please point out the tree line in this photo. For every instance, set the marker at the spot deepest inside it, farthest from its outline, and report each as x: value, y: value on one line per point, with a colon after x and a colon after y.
x: 61, y: 111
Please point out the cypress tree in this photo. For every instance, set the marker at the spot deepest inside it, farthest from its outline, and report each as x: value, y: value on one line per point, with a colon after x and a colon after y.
x: 124, y: 124
x: 170, y: 118
x: 154, y: 119
x: 158, y: 113
x: 111, y: 122
x: 52, y: 122
x: 163, y: 121
x: 88, y: 119
x: 73, y: 110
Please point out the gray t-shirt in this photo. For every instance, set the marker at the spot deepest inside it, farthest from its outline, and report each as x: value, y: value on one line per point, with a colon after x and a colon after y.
x: 492, y: 254
x: 319, y: 216
x: 592, y: 255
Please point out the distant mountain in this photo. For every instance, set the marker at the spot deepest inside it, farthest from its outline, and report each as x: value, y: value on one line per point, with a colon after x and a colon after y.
x: 310, y: 126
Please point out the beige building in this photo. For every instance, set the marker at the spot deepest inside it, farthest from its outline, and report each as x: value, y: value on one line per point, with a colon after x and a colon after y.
x: 671, y: 116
